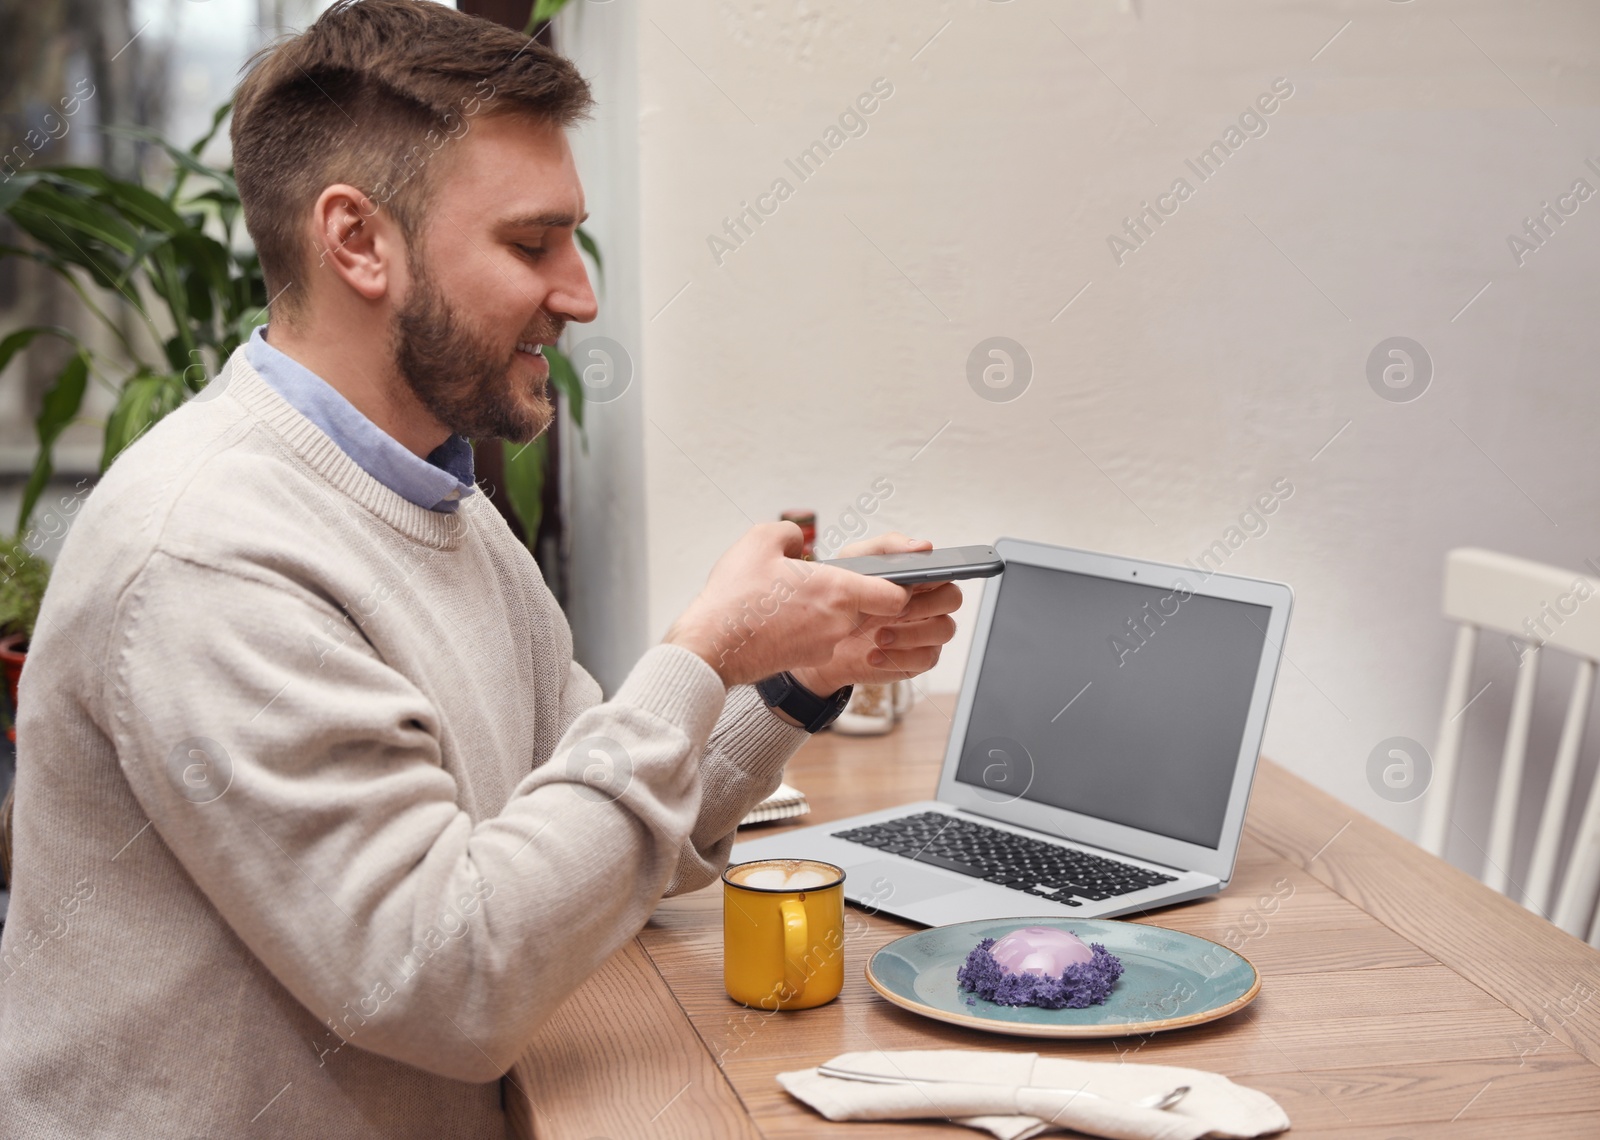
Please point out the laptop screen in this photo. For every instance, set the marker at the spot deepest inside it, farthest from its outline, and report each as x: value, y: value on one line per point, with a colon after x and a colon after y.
x: 1128, y: 701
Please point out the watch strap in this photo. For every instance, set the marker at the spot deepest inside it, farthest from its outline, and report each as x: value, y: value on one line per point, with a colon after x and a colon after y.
x: 781, y: 691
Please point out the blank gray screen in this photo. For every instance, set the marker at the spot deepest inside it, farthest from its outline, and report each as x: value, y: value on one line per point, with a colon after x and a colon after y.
x: 1128, y: 701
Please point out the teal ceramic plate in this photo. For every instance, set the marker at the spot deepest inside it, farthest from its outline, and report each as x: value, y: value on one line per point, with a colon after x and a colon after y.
x: 1169, y: 979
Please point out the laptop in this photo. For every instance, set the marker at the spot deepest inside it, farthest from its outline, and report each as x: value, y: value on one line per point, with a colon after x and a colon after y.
x: 1100, y: 755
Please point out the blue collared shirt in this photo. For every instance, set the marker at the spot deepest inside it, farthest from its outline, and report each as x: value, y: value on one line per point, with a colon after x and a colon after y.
x: 438, y: 482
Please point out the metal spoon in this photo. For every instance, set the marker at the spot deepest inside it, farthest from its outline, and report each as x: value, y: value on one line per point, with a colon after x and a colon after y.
x: 1158, y: 1101
x: 1166, y: 1101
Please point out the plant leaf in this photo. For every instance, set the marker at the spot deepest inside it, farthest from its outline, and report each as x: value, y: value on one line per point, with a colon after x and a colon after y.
x: 20, y: 340
x: 217, y: 116
x: 593, y: 251
x: 148, y: 243
x: 143, y: 208
x: 183, y: 158
x: 543, y: 10
x: 92, y: 177
x: 204, y: 258
x: 43, y: 209
x: 14, y: 187
x: 64, y: 270
x: 524, y: 478
x: 43, y: 257
x: 59, y: 408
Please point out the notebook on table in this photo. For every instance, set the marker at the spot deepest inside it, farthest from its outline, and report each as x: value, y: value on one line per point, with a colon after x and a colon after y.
x: 784, y: 803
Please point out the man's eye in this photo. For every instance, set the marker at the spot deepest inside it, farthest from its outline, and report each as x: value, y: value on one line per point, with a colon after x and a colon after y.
x: 532, y: 251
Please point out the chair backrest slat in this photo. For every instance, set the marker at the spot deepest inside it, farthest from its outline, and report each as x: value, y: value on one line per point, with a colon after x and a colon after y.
x: 1582, y: 883
x: 1547, y: 844
x: 1447, y: 755
x: 1508, y: 792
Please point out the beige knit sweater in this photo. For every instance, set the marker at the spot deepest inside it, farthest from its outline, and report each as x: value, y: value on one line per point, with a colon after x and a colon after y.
x: 317, y: 820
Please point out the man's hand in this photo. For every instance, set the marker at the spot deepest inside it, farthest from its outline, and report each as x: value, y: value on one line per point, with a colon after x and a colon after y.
x: 890, y: 649
x: 763, y: 610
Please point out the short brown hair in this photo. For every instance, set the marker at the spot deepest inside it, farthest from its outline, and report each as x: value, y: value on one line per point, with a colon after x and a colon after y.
x: 367, y: 95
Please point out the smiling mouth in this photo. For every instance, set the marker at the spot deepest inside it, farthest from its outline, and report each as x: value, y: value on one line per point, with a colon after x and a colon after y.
x: 530, y: 348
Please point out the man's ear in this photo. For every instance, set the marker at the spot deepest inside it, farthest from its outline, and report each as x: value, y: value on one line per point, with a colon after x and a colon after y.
x: 356, y: 241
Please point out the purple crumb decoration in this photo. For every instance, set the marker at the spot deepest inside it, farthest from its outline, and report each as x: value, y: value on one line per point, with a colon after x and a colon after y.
x: 1079, y: 986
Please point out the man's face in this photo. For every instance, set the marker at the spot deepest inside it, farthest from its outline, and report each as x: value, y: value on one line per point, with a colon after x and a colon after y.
x: 496, y: 267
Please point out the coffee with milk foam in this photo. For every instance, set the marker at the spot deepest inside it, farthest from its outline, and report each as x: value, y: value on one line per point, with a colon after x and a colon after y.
x: 784, y: 875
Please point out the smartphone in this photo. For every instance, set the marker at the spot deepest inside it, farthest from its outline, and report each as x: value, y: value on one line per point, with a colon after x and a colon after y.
x: 916, y: 566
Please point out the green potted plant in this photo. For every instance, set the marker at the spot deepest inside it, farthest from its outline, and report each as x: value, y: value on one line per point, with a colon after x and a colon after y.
x: 23, y: 577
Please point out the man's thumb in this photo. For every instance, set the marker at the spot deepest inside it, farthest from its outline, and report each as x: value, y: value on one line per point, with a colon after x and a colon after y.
x: 789, y: 537
x: 879, y: 598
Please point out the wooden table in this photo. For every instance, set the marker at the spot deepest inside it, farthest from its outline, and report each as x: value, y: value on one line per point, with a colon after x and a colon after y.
x: 1400, y: 997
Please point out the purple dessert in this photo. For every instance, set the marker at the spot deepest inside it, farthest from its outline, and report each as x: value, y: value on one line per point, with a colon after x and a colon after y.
x: 1040, y: 966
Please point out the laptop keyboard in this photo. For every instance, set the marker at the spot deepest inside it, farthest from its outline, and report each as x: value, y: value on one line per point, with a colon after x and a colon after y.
x: 1043, y: 870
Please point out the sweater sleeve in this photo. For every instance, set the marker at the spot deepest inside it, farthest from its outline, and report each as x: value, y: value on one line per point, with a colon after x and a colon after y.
x: 741, y: 765
x: 302, y: 789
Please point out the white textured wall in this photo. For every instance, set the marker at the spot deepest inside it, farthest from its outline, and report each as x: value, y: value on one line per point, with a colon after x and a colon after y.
x: 828, y: 349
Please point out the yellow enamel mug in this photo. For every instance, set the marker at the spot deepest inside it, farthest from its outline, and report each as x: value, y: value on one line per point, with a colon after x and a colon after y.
x: 783, y: 933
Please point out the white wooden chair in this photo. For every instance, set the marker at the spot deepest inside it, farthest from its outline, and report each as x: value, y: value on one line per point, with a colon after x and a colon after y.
x: 1536, y: 608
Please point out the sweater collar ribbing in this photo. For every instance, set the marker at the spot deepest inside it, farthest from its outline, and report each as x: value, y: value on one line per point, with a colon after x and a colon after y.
x: 442, y: 530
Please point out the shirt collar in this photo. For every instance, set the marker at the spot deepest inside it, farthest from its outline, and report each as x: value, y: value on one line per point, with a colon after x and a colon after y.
x: 438, y: 482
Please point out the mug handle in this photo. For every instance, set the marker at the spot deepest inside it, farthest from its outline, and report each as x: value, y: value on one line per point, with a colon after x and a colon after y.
x: 794, y: 947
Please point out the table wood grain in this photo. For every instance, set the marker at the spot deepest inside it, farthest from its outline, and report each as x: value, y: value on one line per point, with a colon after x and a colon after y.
x: 1400, y: 997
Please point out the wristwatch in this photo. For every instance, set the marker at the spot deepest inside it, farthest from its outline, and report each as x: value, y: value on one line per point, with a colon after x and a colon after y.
x: 781, y: 691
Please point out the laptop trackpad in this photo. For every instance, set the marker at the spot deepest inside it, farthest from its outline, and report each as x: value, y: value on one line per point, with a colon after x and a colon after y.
x: 898, y: 882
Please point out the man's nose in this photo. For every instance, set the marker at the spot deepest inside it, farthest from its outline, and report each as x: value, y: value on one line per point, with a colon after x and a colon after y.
x: 571, y: 295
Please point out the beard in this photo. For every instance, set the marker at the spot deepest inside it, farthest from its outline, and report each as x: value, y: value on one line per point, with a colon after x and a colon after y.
x: 470, y: 385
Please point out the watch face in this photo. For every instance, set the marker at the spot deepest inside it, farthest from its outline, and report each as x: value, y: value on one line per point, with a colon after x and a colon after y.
x: 836, y: 705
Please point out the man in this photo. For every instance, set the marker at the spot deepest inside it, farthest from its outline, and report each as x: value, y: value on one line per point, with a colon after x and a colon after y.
x: 317, y: 820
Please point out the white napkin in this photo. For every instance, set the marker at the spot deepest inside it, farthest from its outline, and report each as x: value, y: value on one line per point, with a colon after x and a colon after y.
x: 999, y: 1093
